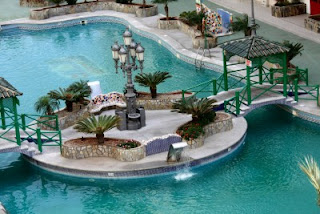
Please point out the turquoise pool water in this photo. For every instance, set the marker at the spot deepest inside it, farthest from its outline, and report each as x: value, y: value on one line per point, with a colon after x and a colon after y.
x: 36, y: 62
x: 263, y: 177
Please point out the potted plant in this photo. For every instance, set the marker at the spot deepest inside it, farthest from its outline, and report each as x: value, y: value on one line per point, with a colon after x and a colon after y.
x: 151, y: 80
x: 97, y: 125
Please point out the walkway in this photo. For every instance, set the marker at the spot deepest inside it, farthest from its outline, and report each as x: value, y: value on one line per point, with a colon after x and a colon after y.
x: 293, y: 24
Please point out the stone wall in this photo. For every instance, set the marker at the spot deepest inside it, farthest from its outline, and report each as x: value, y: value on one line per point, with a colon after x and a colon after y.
x: 121, y: 154
x: 313, y: 23
x: 69, y: 120
x: 219, y: 126
x: 35, y: 3
x: 45, y: 13
x: 289, y: 10
x: 197, y: 40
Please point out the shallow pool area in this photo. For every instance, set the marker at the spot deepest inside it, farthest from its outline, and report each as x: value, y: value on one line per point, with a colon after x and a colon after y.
x: 263, y: 177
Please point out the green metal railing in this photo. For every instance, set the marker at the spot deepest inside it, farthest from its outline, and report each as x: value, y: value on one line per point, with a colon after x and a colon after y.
x: 42, y: 137
x: 308, y: 92
x: 233, y: 105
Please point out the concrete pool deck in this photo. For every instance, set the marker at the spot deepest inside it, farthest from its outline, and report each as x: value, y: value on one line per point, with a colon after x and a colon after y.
x: 159, y: 122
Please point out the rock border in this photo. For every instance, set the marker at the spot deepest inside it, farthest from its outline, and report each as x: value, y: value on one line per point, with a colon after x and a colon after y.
x: 48, y: 12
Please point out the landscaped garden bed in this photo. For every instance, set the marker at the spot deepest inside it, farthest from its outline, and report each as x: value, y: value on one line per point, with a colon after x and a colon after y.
x: 122, y: 150
x: 162, y: 101
x: 285, y: 9
x: 313, y: 23
x: 137, y: 9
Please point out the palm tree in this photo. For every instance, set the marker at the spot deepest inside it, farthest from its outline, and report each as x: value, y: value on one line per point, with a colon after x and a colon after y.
x: 193, y: 18
x: 63, y: 94
x: 97, y: 126
x: 311, y: 169
x: 166, y: 8
x: 81, y: 89
x: 200, y: 109
x: 242, y: 24
x: 46, y: 105
x: 294, y: 50
x: 151, y: 80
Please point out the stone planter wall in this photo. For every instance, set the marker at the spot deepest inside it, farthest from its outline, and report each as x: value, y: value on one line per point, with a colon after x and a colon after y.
x: 35, y: 3
x: 121, y: 154
x: 197, y: 40
x: 289, y: 10
x: 211, y: 129
x: 45, y: 13
x: 313, y: 23
x: 67, y: 121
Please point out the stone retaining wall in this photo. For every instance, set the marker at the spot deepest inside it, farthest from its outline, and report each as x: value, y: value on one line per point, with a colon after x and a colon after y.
x: 67, y: 121
x: 35, y: 3
x: 289, y: 10
x: 121, y: 154
x: 211, y: 129
x: 197, y: 40
x: 48, y: 12
x: 313, y: 23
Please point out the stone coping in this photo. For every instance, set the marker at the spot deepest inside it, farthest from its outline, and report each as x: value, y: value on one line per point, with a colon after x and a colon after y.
x: 216, y: 147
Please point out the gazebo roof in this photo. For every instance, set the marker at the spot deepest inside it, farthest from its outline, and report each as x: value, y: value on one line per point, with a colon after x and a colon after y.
x: 7, y: 90
x: 253, y: 47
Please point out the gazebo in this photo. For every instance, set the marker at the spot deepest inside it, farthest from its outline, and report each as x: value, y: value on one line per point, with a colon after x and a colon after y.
x: 8, y: 109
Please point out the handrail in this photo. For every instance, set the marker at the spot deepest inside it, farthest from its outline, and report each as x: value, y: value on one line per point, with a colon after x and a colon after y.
x: 311, y: 90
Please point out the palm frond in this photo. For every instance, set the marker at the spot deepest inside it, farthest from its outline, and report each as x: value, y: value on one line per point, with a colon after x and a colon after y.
x: 310, y: 167
x: 152, y: 79
x: 97, y: 125
x: 46, y: 105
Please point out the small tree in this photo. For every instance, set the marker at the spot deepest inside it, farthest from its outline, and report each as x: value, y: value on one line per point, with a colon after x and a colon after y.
x: 241, y: 23
x: 97, y: 125
x: 151, y: 80
x: 63, y: 94
x: 81, y: 89
x: 294, y: 50
x: 166, y: 8
x: 311, y: 169
x: 46, y: 105
x: 57, y: 2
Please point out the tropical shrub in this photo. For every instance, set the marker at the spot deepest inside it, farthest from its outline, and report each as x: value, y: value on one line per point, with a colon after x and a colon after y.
x: 241, y: 23
x: 57, y: 2
x: 294, y: 50
x: 63, y: 94
x: 97, y: 125
x: 151, y: 80
x: 310, y: 167
x: 124, y: 1
x: 166, y: 8
x: 81, y: 89
x: 46, y: 105
x: 193, y: 18
x: 71, y: 2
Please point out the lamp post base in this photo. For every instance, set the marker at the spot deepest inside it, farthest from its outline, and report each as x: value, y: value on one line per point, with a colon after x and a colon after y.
x: 131, y: 121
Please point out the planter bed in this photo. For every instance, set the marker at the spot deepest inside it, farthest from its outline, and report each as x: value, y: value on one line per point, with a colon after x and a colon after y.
x: 163, y: 100
x: 289, y: 10
x: 313, y: 23
x: 89, y: 147
x: 67, y: 119
x: 35, y: 3
x: 197, y: 40
x: 222, y: 123
x: 48, y: 12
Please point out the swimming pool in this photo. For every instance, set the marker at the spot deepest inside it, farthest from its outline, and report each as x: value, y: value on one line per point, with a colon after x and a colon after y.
x: 47, y: 59
x: 263, y: 177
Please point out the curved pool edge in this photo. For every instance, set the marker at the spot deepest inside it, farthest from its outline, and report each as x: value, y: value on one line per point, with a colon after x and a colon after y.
x: 304, y: 115
x: 145, y: 172
x: 135, y: 24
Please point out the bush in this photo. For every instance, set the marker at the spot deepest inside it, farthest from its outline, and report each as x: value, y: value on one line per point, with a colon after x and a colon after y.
x: 71, y: 2
x: 57, y: 2
x: 124, y: 1
x: 191, y: 131
x: 128, y: 144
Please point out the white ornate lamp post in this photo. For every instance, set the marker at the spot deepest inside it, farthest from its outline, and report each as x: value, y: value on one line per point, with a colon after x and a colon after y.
x: 133, y: 118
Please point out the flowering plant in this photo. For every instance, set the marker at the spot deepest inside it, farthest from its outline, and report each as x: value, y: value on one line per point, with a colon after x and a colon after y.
x: 190, y: 131
x: 128, y: 144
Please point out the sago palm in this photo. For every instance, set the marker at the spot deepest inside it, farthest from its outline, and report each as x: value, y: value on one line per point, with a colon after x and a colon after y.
x: 46, y: 105
x: 63, y: 94
x: 294, y: 50
x: 81, y: 89
x: 97, y: 125
x: 241, y: 23
x: 151, y: 80
x: 166, y: 8
x: 310, y: 167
